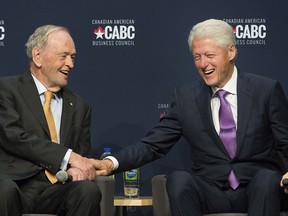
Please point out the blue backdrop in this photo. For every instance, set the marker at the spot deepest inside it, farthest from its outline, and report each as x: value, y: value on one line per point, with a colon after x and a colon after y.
x: 132, y: 54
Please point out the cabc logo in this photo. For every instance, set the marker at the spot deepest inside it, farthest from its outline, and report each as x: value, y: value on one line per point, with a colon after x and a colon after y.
x: 2, y: 32
x: 249, y: 31
x: 117, y: 32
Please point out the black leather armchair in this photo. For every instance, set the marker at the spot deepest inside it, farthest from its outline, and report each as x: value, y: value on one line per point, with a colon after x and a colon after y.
x: 161, y: 205
x: 107, y: 187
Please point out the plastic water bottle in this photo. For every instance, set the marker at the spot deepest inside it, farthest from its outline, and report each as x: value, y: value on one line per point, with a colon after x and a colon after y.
x: 131, y: 183
x: 106, y: 152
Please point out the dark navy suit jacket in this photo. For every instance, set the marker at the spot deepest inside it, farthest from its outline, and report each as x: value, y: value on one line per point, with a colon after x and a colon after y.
x: 262, y: 131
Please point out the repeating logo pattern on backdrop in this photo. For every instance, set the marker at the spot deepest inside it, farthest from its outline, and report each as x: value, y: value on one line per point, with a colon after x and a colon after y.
x: 2, y: 33
x: 249, y: 31
x: 113, y: 32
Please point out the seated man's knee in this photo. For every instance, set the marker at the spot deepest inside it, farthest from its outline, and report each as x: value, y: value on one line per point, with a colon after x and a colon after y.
x: 89, y: 190
x: 178, y: 181
x: 10, y: 198
x: 8, y: 189
x: 266, y: 180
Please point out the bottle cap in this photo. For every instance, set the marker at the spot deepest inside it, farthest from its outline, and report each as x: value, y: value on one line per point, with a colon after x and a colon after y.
x: 107, y: 149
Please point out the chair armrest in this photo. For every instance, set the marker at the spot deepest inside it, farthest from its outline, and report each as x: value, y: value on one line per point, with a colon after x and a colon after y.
x: 161, y: 204
x: 106, y: 185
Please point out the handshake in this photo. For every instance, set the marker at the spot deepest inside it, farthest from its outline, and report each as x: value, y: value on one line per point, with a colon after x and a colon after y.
x: 82, y: 168
x: 284, y: 185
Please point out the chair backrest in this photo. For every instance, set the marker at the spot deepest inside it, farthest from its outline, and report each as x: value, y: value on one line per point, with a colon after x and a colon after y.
x: 161, y: 206
x: 107, y: 188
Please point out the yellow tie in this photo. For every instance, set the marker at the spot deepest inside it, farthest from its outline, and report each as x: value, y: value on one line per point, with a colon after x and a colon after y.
x: 51, y: 124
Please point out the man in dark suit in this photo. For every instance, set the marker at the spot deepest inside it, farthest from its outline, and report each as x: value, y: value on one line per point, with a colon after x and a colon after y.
x: 246, y: 178
x: 27, y: 154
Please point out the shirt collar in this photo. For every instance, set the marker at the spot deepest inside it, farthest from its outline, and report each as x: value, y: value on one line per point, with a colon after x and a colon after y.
x: 231, y: 85
x: 41, y: 88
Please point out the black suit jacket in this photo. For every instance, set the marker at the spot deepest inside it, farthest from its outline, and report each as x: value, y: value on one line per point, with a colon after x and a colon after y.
x: 262, y: 131
x: 25, y: 146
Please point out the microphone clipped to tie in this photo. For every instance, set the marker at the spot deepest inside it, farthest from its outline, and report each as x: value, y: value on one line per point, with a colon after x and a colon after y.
x: 63, y: 177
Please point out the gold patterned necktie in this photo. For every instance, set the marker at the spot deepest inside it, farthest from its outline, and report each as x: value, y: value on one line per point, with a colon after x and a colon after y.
x: 52, y: 128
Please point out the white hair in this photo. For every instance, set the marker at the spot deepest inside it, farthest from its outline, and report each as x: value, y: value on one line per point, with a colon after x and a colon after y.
x: 40, y: 36
x: 219, y: 31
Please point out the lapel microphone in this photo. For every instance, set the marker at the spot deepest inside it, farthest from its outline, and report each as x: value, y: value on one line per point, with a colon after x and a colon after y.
x: 63, y: 177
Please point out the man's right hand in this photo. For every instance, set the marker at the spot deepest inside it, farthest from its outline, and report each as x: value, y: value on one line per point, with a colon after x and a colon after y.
x: 284, y: 179
x: 84, y: 164
x: 76, y: 174
x: 103, y: 167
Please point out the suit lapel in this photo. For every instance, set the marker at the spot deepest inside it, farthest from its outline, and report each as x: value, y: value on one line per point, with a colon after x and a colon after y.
x: 203, y: 97
x: 28, y: 90
x: 244, y: 100
x: 67, y: 115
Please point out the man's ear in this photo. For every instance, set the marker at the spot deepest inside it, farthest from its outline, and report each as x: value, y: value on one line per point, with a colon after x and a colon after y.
x: 232, y: 52
x: 37, y: 57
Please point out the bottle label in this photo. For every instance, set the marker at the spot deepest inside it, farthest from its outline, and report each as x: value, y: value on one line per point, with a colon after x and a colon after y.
x: 130, y: 192
x: 131, y: 183
x: 131, y: 175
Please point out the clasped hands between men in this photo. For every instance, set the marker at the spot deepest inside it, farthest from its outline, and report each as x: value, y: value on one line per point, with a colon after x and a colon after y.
x: 82, y: 168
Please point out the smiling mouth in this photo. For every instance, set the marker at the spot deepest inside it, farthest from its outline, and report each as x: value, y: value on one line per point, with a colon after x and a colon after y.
x: 207, y: 72
x: 64, y: 72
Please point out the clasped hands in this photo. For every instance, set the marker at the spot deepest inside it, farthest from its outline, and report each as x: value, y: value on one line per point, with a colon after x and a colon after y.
x: 284, y: 182
x: 82, y: 168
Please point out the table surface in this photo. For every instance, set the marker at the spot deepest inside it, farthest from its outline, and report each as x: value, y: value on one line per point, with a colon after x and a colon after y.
x: 141, y: 201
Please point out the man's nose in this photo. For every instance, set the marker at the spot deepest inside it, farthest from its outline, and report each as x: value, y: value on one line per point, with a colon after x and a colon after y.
x: 69, y: 61
x: 203, y: 62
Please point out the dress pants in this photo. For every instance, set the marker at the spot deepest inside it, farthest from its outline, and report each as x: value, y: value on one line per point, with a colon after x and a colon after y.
x: 38, y: 195
x: 191, y: 195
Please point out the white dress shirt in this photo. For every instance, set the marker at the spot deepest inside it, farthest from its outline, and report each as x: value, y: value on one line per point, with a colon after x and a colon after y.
x: 231, y: 87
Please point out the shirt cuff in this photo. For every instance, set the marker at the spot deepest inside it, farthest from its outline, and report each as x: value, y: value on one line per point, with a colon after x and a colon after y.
x: 115, y: 162
x: 65, y: 161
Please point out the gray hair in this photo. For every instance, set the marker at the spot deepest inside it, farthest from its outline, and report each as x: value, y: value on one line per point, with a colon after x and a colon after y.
x: 40, y: 37
x: 217, y: 30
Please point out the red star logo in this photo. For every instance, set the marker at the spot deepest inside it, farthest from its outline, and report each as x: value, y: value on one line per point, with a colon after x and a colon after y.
x: 99, y: 32
x: 234, y: 29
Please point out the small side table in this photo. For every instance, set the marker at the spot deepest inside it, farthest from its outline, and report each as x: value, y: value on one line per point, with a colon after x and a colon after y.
x: 121, y: 203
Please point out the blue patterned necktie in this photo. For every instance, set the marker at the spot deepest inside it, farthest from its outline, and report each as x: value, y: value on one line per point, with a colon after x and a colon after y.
x: 228, y: 132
